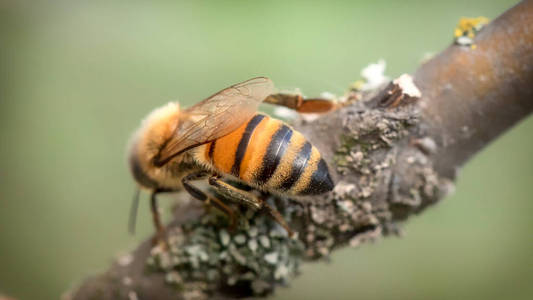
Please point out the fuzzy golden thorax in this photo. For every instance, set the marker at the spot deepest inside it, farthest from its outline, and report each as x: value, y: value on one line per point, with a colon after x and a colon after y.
x: 146, y: 143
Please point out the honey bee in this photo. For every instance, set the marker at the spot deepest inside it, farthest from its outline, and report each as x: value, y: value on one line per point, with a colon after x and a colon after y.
x: 224, y: 138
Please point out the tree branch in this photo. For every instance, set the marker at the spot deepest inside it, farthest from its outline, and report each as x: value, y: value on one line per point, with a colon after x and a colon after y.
x: 390, y: 154
x: 472, y: 96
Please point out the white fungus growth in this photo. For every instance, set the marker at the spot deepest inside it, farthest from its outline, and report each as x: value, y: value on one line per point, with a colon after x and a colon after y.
x: 240, y: 239
x: 374, y: 75
x: 126, y: 280
x: 285, y: 113
x: 132, y: 295
x: 252, y: 232
x: 271, y: 258
x: 173, y: 277
x: 265, y: 241
x: 343, y: 188
x: 405, y: 82
x: 310, y: 117
x: 464, y: 41
x: 252, y: 245
x: 328, y: 95
x: 281, y: 272
x: 224, y: 237
x: 125, y: 260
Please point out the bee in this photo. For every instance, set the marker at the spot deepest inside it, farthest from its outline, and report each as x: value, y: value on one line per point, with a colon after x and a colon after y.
x: 224, y: 138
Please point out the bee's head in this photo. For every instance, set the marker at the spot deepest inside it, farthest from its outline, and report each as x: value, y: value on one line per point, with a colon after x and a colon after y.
x: 147, y: 141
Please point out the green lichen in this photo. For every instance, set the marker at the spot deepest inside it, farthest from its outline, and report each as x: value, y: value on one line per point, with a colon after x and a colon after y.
x: 258, y: 255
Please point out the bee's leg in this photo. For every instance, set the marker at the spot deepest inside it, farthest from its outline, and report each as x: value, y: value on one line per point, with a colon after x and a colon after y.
x: 160, y: 235
x: 249, y: 200
x: 302, y: 105
x: 200, y: 195
x: 278, y: 217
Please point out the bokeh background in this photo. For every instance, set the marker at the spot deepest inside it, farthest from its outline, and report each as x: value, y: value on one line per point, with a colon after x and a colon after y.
x: 76, y: 77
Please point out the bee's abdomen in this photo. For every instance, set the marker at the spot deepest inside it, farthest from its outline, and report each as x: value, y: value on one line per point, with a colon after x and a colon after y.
x: 268, y: 153
x: 302, y: 171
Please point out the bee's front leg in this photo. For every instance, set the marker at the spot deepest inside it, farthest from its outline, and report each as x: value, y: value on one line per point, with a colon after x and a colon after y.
x: 207, y: 199
x: 160, y: 237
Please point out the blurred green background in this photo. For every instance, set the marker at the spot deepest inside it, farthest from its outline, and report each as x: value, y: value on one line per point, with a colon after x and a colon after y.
x: 77, y: 77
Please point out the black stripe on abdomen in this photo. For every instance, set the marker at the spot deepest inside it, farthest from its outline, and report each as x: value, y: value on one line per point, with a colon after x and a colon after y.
x: 298, y: 166
x: 274, y: 153
x: 211, y: 150
x: 243, y: 143
x: 320, y: 181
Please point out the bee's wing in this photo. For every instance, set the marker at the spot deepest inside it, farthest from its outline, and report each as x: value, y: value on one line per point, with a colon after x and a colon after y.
x: 216, y: 116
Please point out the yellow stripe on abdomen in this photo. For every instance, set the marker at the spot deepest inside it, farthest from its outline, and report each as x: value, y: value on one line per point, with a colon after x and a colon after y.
x: 253, y: 158
x: 224, y: 149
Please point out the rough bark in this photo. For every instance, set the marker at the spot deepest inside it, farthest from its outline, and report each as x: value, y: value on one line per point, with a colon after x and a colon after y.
x: 391, y: 156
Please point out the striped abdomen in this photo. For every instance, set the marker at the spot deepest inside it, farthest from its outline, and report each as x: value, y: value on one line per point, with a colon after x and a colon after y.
x: 268, y: 153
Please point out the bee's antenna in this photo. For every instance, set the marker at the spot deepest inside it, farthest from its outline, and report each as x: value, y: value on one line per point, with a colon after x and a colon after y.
x: 133, y: 211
